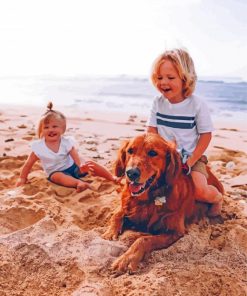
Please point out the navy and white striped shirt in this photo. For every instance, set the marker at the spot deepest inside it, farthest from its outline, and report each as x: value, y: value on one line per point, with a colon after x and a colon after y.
x: 182, y: 122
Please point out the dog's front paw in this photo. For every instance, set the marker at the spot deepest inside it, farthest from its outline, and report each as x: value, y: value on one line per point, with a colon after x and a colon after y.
x: 126, y: 263
x: 110, y: 234
x: 130, y: 260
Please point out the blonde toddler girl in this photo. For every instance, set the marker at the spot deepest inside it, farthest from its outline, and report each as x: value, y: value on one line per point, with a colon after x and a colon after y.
x: 58, y: 155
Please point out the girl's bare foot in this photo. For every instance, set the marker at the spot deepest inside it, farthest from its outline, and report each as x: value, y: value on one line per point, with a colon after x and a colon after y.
x: 81, y: 186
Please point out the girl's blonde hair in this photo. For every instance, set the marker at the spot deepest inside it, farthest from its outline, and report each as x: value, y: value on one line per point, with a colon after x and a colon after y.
x: 47, y: 116
x: 183, y: 63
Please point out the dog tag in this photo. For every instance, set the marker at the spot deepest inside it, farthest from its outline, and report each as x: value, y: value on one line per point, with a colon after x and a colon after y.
x: 160, y: 200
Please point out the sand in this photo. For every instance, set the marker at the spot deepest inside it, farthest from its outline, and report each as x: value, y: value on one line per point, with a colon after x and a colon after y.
x: 50, y: 236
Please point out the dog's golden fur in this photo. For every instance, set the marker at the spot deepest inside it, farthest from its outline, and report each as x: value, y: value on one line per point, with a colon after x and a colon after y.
x: 152, y: 167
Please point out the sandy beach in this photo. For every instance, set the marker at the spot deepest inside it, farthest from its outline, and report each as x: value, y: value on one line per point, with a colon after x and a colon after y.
x: 50, y: 236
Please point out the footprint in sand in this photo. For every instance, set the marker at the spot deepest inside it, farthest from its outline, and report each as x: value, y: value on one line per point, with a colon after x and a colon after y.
x: 237, y: 239
x: 61, y: 191
x: 31, y: 189
x: 91, y: 217
x: 10, y: 163
x: 16, y: 218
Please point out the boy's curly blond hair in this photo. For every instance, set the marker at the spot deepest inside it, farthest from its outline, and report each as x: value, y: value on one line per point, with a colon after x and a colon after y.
x: 184, y: 64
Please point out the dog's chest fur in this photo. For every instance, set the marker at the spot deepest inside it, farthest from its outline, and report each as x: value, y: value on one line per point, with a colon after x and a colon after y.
x: 139, y: 213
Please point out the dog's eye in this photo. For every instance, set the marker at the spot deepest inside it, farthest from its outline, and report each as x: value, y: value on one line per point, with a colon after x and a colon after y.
x: 152, y: 153
x: 130, y: 151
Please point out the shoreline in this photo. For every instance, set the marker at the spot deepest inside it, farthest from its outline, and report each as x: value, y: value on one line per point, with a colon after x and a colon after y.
x: 233, y: 119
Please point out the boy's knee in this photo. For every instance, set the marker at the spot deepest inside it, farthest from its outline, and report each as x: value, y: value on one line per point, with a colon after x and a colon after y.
x: 201, y: 192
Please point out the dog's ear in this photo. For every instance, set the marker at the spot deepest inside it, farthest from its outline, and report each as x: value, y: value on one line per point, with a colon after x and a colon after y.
x: 119, y: 165
x: 173, y: 165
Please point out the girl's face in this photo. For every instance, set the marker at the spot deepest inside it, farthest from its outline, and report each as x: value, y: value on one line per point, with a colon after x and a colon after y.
x: 169, y: 82
x: 53, y: 129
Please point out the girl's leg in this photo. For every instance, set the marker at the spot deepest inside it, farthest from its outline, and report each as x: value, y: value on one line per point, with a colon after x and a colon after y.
x: 69, y: 181
x: 207, y: 193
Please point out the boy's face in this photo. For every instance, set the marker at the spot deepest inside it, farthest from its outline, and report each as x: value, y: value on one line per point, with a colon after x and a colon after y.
x: 53, y: 129
x: 169, y: 83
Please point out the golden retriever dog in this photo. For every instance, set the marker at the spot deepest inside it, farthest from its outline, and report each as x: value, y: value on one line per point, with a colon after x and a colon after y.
x: 158, y: 199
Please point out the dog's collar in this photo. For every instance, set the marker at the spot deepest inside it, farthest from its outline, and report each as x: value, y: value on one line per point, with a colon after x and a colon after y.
x: 161, y: 183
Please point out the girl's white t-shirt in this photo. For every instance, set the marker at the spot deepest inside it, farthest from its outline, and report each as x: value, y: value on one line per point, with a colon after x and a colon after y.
x: 54, y: 161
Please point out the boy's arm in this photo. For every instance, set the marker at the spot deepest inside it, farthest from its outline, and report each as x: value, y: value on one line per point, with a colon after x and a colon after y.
x: 32, y: 158
x: 201, y: 146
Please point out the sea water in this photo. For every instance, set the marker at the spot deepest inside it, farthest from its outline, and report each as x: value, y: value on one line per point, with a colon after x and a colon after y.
x: 226, y: 99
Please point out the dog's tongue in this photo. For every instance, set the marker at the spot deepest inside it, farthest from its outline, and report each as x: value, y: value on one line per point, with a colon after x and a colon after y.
x: 135, y: 187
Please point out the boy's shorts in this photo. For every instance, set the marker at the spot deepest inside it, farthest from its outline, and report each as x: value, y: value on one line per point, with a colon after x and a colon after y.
x: 200, y: 166
x: 72, y: 171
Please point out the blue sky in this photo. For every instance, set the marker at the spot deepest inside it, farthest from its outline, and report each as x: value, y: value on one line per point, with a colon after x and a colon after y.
x: 77, y: 37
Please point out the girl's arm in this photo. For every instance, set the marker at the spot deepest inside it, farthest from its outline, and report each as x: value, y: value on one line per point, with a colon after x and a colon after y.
x: 75, y: 155
x: 81, y: 163
x: 32, y: 158
x: 201, y: 146
x: 152, y: 129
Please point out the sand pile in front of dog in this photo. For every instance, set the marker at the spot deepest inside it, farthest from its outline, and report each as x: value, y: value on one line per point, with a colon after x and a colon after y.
x: 50, y: 236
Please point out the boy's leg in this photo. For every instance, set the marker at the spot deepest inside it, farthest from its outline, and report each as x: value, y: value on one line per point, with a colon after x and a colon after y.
x: 69, y: 181
x: 207, y: 193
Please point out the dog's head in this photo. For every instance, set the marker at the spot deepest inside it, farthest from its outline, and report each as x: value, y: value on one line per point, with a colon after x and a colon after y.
x: 146, y: 159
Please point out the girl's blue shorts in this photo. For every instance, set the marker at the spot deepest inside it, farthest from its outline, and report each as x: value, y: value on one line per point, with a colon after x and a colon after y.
x: 72, y: 171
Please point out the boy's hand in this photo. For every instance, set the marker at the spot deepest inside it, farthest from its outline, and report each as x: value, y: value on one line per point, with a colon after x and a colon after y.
x: 186, y: 168
x: 20, y: 182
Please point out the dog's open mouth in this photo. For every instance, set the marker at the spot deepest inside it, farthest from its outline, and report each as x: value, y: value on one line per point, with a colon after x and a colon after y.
x: 138, y: 188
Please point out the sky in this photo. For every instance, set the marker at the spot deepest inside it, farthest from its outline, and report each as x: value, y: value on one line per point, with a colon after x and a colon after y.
x: 115, y: 37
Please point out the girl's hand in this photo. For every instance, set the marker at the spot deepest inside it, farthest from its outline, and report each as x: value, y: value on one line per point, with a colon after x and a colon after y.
x: 95, y: 169
x: 92, y: 167
x: 84, y: 168
x: 20, y: 182
x: 98, y: 170
x: 117, y: 180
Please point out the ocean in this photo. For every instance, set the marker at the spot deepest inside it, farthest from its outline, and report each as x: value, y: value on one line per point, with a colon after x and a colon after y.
x: 132, y: 95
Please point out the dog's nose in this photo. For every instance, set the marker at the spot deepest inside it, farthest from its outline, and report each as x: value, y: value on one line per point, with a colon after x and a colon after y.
x: 133, y: 174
